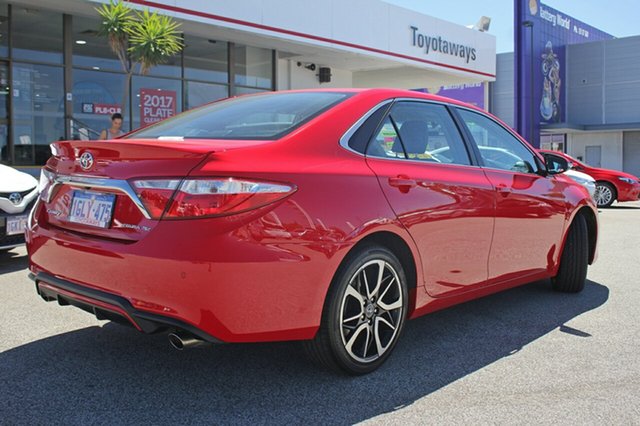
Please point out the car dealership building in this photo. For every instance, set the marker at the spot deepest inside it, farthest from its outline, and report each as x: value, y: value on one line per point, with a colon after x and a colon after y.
x: 571, y: 87
x: 60, y: 80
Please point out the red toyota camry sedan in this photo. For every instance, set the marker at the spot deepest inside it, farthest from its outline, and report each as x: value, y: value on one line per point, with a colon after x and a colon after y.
x: 329, y: 216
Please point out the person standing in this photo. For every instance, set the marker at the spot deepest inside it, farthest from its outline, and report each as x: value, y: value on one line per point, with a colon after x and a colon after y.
x: 116, y: 128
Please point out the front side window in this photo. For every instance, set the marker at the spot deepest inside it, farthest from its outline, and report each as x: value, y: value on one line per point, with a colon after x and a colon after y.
x: 419, y: 131
x: 498, y: 148
x: 269, y: 116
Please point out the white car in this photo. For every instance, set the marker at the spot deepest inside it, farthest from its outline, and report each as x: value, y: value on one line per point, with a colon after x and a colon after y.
x: 584, y: 180
x: 18, y: 193
x: 555, y: 162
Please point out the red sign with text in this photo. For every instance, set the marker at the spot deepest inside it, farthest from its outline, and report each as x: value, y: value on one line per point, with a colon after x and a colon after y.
x: 156, y: 105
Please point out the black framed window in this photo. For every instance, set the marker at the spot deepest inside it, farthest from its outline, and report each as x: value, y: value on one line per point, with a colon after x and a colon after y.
x: 36, y: 35
x: 419, y: 131
x: 38, y: 111
x: 253, y: 67
x: 498, y: 148
x: 4, y: 30
x: 206, y: 60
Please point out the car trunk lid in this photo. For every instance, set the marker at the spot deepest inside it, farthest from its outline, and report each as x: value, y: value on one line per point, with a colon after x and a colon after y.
x: 90, y: 188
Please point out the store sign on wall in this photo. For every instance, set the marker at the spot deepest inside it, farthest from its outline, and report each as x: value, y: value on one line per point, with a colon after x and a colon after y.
x: 101, y: 109
x: 437, y: 44
x: 156, y: 105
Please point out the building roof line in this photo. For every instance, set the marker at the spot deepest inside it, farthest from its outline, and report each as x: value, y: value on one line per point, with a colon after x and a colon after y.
x: 182, y: 10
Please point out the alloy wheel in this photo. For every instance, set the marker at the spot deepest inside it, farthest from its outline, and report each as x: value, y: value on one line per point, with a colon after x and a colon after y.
x: 371, y: 311
x: 603, y: 195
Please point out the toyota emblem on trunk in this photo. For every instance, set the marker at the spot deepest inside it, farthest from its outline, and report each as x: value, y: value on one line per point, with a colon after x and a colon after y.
x: 86, y: 161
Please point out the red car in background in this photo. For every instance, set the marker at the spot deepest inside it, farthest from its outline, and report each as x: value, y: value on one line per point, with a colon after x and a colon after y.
x: 328, y: 216
x: 611, y: 185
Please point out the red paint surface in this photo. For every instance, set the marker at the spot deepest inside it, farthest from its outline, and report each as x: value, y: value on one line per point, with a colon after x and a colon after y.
x: 264, y: 274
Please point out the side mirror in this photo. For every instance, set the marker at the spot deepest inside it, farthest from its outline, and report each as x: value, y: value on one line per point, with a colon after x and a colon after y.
x: 556, y: 165
x: 522, y: 167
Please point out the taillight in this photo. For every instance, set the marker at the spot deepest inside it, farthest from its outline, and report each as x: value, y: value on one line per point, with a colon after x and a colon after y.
x: 155, y: 194
x: 207, y: 197
x: 45, y: 184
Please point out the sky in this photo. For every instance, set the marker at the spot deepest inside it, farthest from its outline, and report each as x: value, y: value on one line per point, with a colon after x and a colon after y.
x: 620, y: 18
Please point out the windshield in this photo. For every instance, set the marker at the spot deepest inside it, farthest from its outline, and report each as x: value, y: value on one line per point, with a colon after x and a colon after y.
x: 268, y: 116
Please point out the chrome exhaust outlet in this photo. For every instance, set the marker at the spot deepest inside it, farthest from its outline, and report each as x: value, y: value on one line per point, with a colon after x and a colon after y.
x: 181, y: 341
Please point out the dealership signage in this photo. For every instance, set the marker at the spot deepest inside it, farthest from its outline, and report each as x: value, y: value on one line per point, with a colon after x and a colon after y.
x: 540, y: 63
x: 101, y: 109
x: 156, y: 105
x: 432, y: 43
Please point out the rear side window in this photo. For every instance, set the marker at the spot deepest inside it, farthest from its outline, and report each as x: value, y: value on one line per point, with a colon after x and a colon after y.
x: 419, y: 131
x: 268, y: 116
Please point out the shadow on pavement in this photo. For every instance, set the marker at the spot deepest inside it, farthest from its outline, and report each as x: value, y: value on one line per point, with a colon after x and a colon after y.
x: 114, y: 375
x: 623, y: 207
x: 12, y: 261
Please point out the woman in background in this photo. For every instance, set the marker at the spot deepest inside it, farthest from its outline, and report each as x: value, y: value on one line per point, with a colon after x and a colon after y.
x: 116, y: 128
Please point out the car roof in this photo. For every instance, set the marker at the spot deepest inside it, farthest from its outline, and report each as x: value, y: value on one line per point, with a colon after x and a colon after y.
x: 384, y: 92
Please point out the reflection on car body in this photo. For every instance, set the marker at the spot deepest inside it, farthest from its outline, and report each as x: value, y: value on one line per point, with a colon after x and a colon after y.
x: 332, y: 220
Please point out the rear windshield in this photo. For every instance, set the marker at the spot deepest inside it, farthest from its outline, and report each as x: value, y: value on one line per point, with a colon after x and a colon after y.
x: 268, y: 116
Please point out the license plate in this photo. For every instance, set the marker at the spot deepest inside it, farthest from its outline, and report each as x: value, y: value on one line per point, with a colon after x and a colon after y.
x: 16, y: 225
x: 92, y: 208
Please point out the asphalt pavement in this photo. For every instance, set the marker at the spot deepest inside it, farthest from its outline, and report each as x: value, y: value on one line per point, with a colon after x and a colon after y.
x: 525, y: 356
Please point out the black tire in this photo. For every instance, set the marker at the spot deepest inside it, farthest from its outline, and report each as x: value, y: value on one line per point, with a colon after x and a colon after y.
x: 605, y: 194
x: 351, y: 326
x: 572, y: 273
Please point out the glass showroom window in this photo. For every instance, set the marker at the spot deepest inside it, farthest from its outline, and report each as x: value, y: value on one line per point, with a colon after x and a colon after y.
x: 96, y: 95
x: 4, y: 30
x: 201, y: 93
x: 38, y: 111
x: 90, y: 50
x: 253, y: 67
x: 205, y: 60
x: 4, y: 112
x: 37, y: 35
x: 154, y: 99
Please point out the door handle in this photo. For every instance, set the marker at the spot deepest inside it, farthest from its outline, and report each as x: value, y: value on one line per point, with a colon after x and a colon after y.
x: 504, y: 190
x: 403, y: 183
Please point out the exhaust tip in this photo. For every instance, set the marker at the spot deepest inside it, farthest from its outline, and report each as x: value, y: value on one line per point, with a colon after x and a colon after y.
x: 184, y: 340
x: 176, y: 341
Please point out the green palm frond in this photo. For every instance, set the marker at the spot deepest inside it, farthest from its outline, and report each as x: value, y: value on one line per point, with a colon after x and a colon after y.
x: 153, y: 39
x: 116, y: 18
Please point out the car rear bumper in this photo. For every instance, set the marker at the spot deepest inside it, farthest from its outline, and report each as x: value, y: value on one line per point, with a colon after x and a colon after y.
x: 232, y: 281
x: 106, y: 306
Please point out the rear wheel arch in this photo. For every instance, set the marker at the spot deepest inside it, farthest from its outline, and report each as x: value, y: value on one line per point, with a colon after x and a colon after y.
x: 396, y: 244
x: 329, y: 347
x: 399, y: 247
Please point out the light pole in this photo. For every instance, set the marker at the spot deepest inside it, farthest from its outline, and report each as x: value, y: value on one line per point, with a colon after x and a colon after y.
x: 529, y: 24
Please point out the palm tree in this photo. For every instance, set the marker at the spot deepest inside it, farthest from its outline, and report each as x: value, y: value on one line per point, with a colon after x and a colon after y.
x: 139, y: 39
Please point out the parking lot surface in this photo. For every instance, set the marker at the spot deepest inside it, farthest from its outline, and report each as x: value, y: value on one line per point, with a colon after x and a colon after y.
x: 525, y: 356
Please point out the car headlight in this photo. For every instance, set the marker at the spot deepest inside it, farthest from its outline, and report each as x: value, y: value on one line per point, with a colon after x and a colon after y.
x: 628, y: 180
x: 580, y: 180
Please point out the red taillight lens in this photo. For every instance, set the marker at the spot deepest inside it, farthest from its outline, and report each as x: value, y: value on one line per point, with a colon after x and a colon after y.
x: 223, y: 196
x: 155, y: 194
x: 206, y: 197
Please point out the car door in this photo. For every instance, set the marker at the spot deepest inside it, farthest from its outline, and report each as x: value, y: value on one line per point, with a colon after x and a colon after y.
x: 530, y: 208
x: 446, y: 203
